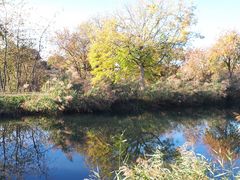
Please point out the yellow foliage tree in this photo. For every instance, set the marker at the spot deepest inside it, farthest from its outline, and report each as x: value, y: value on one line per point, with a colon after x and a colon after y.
x: 226, y: 52
x: 107, y: 53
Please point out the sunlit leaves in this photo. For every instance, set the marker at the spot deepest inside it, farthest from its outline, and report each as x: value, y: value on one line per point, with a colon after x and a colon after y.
x: 140, y: 41
x: 226, y: 51
x: 107, y: 54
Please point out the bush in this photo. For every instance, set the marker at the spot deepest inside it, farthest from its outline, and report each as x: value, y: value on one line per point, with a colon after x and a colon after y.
x: 174, y: 91
x: 60, y: 96
x: 188, y: 166
x: 12, y: 103
x: 56, y: 97
x: 41, y: 104
x: 97, y: 99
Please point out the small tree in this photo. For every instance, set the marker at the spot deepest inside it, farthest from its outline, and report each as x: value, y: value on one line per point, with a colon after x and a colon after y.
x: 196, y: 65
x: 74, y: 47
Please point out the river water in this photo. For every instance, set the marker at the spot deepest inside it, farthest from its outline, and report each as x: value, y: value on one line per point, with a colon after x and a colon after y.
x: 70, y: 147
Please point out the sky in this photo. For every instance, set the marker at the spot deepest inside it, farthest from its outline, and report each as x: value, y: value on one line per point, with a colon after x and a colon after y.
x: 214, y: 16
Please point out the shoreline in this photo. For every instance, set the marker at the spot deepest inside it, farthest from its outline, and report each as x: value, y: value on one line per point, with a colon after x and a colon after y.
x: 14, y: 106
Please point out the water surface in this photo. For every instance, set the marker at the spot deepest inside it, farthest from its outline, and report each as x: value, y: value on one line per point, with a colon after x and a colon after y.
x: 69, y: 147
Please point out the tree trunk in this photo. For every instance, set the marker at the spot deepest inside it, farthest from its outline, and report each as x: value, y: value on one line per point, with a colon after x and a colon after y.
x: 1, y: 81
x: 142, y: 75
x: 230, y: 69
x: 17, y: 66
x: 5, y: 63
x: 230, y: 75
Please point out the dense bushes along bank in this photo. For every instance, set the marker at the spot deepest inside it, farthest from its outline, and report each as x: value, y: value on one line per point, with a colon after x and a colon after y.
x: 59, y: 96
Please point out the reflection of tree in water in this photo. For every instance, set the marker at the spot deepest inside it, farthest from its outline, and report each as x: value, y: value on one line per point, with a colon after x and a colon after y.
x: 223, y: 138
x: 93, y: 136
x: 99, y: 138
x: 193, y: 135
x: 194, y: 129
x: 21, y: 150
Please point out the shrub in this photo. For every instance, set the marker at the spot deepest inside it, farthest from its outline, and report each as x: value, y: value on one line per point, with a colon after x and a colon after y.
x: 56, y: 97
x: 187, y: 167
x: 175, y: 91
x: 96, y: 99
x: 41, y: 104
x: 12, y: 103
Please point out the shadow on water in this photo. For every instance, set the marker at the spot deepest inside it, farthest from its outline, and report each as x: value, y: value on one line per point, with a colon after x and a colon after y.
x: 31, y: 147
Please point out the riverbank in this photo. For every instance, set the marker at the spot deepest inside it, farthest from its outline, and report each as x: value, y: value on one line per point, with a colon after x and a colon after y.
x: 62, y: 96
x: 40, y: 103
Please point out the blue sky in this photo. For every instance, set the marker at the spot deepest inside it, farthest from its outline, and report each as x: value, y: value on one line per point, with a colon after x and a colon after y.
x: 214, y: 16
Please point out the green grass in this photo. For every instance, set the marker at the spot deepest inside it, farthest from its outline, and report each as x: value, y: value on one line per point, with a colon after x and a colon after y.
x: 12, y: 103
x: 21, y: 94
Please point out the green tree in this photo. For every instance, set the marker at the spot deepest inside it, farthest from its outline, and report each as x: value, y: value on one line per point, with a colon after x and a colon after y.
x: 142, y: 41
x: 107, y: 54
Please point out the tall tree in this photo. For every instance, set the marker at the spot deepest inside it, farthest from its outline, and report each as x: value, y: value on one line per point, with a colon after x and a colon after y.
x: 20, y: 60
x: 226, y: 51
x: 107, y: 54
x: 155, y: 33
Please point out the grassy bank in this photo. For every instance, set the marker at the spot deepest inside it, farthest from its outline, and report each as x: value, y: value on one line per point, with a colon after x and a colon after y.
x: 10, y: 103
x: 63, y: 97
x: 17, y: 104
